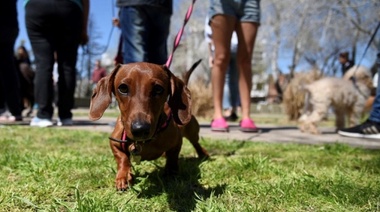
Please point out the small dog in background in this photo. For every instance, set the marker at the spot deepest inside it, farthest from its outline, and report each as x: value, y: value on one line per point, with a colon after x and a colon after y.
x: 346, y: 96
x: 293, y: 99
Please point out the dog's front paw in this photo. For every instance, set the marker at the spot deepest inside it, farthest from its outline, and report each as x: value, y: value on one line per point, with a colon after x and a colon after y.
x: 203, y: 155
x: 302, y: 127
x: 122, y: 181
x: 314, y: 130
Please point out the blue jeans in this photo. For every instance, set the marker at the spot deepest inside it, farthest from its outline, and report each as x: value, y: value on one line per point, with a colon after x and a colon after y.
x: 144, y: 30
x: 231, y: 97
x: 375, y: 113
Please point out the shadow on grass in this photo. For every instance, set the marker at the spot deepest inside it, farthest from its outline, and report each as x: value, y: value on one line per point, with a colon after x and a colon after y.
x: 183, y: 190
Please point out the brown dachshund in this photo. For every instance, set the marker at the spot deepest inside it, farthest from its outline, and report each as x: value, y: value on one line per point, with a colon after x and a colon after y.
x: 155, y: 109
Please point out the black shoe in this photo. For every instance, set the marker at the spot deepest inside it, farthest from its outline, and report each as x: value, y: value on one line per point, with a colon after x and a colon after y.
x: 368, y: 129
x: 232, y: 117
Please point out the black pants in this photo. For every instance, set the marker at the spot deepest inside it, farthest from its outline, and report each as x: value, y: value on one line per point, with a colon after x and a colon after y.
x: 54, y: 26
x: 9, y: 82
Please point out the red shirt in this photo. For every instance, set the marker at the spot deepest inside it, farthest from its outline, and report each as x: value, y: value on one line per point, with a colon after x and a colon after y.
x: 98, y: 74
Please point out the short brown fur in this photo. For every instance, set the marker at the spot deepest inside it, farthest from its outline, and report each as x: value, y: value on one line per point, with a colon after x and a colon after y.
x: 148, y: 96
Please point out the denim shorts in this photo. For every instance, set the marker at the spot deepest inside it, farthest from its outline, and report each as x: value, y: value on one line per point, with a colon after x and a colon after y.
x: 243, y: 10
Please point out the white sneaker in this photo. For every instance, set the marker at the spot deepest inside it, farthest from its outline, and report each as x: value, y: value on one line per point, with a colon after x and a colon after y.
x: 37, y: 122
x: 65, y: 122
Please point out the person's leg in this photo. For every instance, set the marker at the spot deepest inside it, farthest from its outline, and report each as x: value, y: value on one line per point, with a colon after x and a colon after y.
x: 9, y: 83
x: 246, y: 32
x: 371, y: 127
x: 133, y: 31
x: 2, y: 98
x: 375, y: 113
x: 8, y: 73
x: 231, y: 97
x: 222, y: 28
x: 156, y: 48
x: 38, y: 24
x: 70, y: 24
x: 233, y: 83
x: 226, y: 94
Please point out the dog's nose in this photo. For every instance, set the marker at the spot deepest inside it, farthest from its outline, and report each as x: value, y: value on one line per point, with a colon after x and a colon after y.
x: 140, y: 129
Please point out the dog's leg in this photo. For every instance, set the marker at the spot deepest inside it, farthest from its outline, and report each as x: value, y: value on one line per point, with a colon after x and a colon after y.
x: 124, y: 176
x: 355, y: 116
x: 339, y: 119
x: 319, y: 112
x: 191, y: 132
x: 303, y: 127
x: 172, y: 156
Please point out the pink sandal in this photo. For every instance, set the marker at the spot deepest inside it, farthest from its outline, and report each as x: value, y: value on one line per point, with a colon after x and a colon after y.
x: 248, y: 125
x: 219, y: 125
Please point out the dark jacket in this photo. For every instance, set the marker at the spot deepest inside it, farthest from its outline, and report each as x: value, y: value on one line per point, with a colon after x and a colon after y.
x: 8, y: 14
x: 346, y: 66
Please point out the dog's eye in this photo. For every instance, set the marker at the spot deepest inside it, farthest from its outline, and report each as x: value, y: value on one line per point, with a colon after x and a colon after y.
x: 157, y: 90
x: 123, y: 89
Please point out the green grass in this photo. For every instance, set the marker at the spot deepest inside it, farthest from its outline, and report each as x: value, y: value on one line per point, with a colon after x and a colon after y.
x: 68, y: 170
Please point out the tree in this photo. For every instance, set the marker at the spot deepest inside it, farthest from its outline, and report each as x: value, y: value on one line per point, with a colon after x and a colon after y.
x: 317, y: 33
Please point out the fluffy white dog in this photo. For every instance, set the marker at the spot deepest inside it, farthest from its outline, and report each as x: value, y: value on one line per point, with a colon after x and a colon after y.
x: 346, y: 96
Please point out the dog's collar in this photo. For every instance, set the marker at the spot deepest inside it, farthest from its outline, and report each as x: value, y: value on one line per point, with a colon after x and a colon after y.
x: 133, y: 147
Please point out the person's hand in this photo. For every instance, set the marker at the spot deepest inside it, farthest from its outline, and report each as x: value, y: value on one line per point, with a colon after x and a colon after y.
x: 116, y: 22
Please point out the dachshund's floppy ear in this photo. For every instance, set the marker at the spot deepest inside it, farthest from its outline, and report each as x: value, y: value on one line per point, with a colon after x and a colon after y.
x: 179, y: 100
x: 102, y: 95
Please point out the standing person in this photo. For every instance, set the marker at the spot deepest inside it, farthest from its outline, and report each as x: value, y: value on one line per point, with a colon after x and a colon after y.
x: 26, y: 77
x: 345, y: 62
x: 55, y: 26
x: 98, y: 73
x: 10, y: 87
x: 371, y: 127
x: 231, y: 97
x: 144, y: 28
x: 227, y: 16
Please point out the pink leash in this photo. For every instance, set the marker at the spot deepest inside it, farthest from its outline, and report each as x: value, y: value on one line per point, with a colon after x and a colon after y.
x: 179, y: 34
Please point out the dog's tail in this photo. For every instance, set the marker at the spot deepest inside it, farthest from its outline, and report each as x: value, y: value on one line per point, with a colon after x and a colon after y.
x: 190, y: 71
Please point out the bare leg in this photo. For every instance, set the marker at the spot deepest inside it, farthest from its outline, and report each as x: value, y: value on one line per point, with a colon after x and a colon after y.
x: 246, y: 32
x: 222, y: 27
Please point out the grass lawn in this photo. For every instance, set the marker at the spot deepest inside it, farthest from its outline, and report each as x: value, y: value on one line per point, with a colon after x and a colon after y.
x: 67, y: 170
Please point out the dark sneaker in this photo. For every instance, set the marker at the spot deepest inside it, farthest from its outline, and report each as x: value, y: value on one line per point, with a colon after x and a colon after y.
x: 232, y: 117
x: 65, y: 122
x: 368, y: 129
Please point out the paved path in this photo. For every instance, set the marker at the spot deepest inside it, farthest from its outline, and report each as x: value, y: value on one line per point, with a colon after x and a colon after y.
x: 268, y: 133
